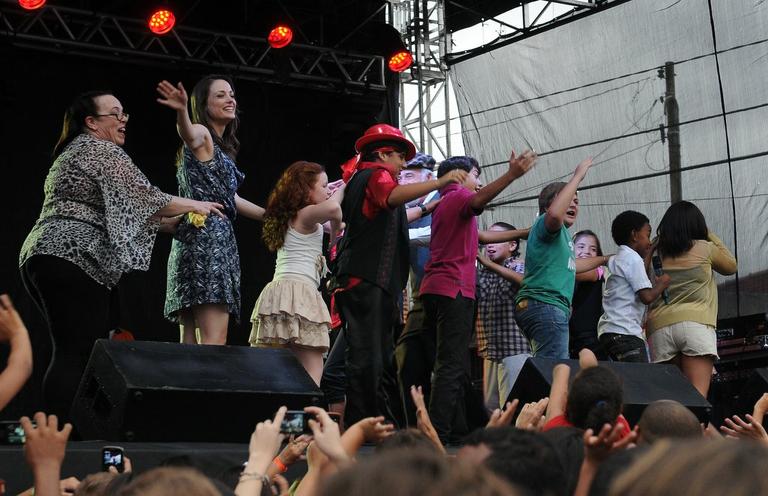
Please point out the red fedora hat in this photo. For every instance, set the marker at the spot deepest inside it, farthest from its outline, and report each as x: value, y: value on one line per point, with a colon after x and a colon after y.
x: 384, y: 132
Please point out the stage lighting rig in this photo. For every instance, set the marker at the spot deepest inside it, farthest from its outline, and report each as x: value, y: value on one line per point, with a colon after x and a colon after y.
x: 280, y: 37
x: 31, y: 4
x: 161, y: 21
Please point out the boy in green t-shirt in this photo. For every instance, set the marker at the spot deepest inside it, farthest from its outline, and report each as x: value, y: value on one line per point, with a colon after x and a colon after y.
x: 544, y: 299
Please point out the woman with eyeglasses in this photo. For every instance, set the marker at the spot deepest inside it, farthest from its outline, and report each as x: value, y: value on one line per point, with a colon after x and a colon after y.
x: 203, y: 287
x: 99, y: 219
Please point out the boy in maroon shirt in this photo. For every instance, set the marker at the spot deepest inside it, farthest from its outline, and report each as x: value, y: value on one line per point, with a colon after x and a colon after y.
x: 448, y: 287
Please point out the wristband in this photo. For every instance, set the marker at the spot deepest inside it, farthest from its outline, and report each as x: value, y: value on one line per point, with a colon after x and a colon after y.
x: 422, y: 207
x: 282, y: 467
x: 246, y: 476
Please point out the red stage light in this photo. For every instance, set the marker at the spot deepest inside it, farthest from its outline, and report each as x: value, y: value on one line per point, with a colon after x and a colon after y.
x: 280, y: 37
x: 161, y: 21
x: 31, y: 4
x: 400, y: 61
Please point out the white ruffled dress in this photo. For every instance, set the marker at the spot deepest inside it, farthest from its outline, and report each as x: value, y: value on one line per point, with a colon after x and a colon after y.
x: 290, y: 309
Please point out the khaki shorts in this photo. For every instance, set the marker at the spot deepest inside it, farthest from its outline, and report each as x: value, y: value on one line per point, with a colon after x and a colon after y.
x: 687, y: 338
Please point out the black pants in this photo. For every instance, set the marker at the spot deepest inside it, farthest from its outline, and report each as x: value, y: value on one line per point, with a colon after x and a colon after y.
x: 585, y: 339
x: 334, y: 380
x: 77, y: 310
x: 415, y: 356
x: 449, y: 320
x: 369, y: 314
x: 624, y: 348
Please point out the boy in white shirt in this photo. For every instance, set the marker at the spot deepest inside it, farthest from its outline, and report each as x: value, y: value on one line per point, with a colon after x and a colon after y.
x: 628, y: 290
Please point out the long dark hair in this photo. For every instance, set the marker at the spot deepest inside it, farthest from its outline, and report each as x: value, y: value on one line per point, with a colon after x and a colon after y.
x: 682, y: 224
x: 289, y: 196
x: 82, y: 106
x: 199, y: 103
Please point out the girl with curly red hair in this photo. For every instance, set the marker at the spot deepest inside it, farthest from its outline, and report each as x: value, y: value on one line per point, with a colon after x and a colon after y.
x: 290, y: 311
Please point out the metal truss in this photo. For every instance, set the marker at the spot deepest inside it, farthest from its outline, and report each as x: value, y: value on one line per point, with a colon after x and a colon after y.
x: 425, y: 90
x: 552, y: 10
x: 72, y: 31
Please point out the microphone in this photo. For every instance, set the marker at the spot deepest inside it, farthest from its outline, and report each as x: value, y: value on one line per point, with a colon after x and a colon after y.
x: 656, y: 260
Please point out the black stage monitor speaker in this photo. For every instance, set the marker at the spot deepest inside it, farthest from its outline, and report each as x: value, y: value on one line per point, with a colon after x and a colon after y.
x: 148, y: 391
x: 644, y: 383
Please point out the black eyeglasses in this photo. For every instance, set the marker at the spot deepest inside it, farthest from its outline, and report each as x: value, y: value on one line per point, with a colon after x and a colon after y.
x: 120, y: 116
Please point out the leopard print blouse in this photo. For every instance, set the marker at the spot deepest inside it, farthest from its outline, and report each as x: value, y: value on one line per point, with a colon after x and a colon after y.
x: 97, y: 212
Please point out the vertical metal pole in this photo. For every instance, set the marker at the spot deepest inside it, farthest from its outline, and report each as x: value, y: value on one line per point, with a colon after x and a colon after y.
x: 673, y: 133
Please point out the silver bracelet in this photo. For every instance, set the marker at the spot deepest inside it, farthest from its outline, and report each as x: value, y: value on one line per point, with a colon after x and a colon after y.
x: 245, y: 476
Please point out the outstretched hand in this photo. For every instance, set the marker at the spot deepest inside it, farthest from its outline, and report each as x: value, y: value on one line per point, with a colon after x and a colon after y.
x: 500, y: 418
x: 583, y: 167
x: 457, y: 176
x: 11, y: 324
x: 265, y: 441
x: 326, y: 434
x: 609, y: 440
x: 45, y: 444
x: 531, y: 417
x: 519, y: 165
x: 172, y: 96
x: 737, y: 428
x: 206, y: 208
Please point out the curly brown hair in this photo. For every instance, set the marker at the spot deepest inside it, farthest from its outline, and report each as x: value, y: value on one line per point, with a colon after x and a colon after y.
x: 290, y: 195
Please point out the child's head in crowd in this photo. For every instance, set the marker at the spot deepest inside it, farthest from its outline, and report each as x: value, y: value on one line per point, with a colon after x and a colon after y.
x: 586, y: 244
x: 498, y: 252
x: 595, y: 398
x: 632, y: 229
x: 467, y: 164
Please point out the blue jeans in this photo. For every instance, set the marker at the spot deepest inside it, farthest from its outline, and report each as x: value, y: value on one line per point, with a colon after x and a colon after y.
x: 545, y: 326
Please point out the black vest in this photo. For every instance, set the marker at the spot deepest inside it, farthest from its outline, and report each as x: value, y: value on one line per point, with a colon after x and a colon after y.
x: 374, y: 250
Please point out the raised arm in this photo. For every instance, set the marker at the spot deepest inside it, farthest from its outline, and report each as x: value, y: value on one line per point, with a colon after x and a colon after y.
x: 248, y: 209
x: 327, y: 211
x: 723, y: 260
x: 558, y: 393
x: 556, y: 211
x: 19, y: 365
x: 649, y: 295
x: 502, y: 271
x: 404, y: 193
x: 486, y: 237
x: 196, y: 136
x: 591, y: 263
x: 517, y: 167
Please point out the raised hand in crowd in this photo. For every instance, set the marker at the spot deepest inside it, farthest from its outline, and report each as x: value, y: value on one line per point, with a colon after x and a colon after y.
x: 500, y: 418
x: 752, y: 429
x: 531, y: 417
x: 293, y: 452
x: 761, y: 406
x: 265, y: 441
x: 519, y: 165
x: 597, y: 448
x: 44, y: 450
x: 19, y: 367
x: 326, y: 435
x: 423, y: 422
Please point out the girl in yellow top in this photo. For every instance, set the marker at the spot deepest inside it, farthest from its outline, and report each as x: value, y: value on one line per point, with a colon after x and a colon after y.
x: 682, y: 331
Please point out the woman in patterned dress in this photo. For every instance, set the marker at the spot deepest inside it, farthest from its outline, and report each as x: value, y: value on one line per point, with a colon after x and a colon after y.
x: 204, y: 266
x: 98, y: 221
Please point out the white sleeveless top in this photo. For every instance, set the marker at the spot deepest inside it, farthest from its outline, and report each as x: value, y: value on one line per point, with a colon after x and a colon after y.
x: 302, y: 255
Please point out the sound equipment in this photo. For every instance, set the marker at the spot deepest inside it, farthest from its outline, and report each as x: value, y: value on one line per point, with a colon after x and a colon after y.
x: 148, y: 391
x: 643, y: 383
x: 744, y: 337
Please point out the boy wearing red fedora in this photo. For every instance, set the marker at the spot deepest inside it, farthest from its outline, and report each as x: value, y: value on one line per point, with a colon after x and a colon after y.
x: 371, y: 267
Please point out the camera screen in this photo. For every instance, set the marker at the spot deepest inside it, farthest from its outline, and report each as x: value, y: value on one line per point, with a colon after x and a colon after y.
x: 293, y: 422
x: 12, y: 433
x: 113, y: 458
